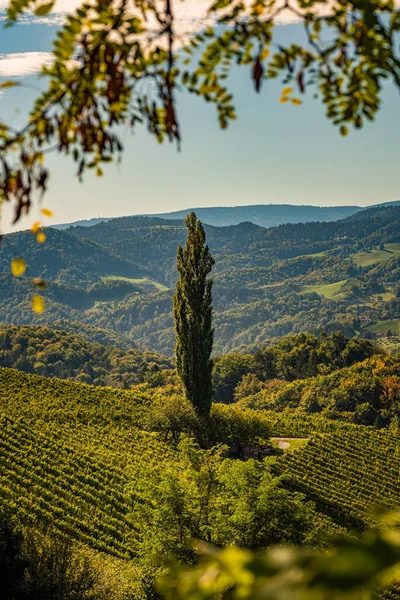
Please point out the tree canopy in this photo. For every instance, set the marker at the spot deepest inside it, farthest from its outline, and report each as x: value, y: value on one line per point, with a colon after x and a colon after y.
x: 192, y: 308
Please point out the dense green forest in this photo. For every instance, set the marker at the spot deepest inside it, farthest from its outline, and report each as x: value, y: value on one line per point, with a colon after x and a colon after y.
x: 57, y: 353
x: 69, y: 355
x: 268, y: 283
x: 265, y: 215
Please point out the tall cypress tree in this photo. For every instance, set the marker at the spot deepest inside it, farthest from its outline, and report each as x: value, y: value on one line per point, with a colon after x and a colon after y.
x: 192, y: 307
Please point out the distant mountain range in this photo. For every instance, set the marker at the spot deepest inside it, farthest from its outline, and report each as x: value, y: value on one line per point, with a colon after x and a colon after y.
x: 264, y: 215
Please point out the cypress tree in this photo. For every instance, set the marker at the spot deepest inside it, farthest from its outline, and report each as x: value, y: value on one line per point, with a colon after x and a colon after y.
x: 192, y: 307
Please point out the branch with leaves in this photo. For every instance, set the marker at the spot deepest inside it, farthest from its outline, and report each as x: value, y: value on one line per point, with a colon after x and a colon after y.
x: 122, y: 63
x: 352, y: 568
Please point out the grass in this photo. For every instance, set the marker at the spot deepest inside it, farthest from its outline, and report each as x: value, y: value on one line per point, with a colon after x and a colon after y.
x: 294, y: 443
x: 313, y: 254
x: 365, y: 259
x: 395, y: 248
x: 297, y: 444
x: 384, y: 297
x: 142, y: 281
x: 328, y: 290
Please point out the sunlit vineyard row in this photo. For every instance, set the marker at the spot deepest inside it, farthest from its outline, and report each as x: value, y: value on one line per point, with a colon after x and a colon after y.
x: 287, y: 424
x: 63, y: 481
x: 36, y: 397
x: 348, y: 473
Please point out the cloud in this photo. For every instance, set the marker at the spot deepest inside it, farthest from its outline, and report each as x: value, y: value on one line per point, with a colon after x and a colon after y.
x: 191, y: 15
x: 24, y: 63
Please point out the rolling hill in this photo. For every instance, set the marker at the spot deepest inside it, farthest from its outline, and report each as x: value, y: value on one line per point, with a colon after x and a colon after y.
x: 76, y: 458
x: 265, y: 215
x: 269, y: 283
x: 58, y: 353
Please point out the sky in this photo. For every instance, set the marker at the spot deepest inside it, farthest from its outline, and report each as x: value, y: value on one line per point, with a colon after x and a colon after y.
x: 274, y: 153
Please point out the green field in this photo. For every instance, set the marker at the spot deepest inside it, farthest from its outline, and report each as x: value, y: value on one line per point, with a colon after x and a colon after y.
x: 365, y: 259
x: 328, y: 290
x: 384, y: 297
x: 146, y: 281
x: 395, y: 248
x: 313, y: 254
x: 290, y: 444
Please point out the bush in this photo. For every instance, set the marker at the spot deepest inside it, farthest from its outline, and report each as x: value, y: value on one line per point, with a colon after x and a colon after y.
x: 233, y: 425
x: 171, y: 416
x: 248, y: 386
x: 37, y: 566
x: 365, y: 414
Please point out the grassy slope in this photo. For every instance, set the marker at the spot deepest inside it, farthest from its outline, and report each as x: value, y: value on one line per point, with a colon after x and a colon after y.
x: 365, y: 259
x: 146, y: 281
x: 328, y: 290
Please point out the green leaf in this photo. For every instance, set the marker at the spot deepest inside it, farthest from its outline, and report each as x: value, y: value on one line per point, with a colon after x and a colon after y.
x: 44, y: 9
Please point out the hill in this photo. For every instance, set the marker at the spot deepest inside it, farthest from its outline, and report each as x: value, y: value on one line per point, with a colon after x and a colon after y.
x: 57, y: 353
x: 347, y: 473
x: 366, y: 393
x: 265, y: 215
x: 77, y: 458
x: 65, y: 258
x: 269, y: 283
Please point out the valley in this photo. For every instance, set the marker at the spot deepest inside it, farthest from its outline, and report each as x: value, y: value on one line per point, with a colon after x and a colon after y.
x: 119, y: 275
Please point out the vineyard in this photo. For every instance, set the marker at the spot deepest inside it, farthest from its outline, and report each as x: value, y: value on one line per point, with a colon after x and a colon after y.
x: 348, y: 473
x: 75, y: 458
x: 75, y: 479
x: 35, y: 397
x: 383, y: 326
x: 68, y: 453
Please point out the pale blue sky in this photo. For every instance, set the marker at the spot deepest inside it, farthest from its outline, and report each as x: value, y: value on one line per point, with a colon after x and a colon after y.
x: 273, y: 154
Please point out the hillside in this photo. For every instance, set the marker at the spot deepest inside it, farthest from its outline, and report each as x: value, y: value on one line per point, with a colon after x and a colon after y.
x: 366, y: 393
x: 265, y: 215
x: 269, y: 283
x: 57, y: 353
x: 77, y: 458
x: 347, y: 473
x: 70, y: 355
x: 65, y: 258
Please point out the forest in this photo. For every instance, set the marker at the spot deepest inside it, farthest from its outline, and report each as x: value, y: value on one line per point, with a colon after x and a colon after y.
x: 268, y: 283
